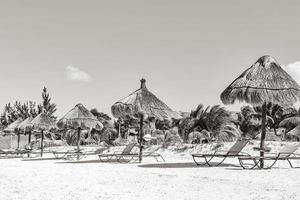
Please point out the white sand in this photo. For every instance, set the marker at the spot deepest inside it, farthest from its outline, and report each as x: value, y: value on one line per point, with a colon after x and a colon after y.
x: 178, y: 178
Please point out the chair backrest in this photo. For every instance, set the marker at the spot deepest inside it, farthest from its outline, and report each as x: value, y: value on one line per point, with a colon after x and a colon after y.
x: 237, y: 147
x: 287, y: 150
x: 128, y: 148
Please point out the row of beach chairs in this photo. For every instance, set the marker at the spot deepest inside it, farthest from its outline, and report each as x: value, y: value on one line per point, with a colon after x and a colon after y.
x: 17, y: 153
x: 124, y: 156
x: 247, y: 161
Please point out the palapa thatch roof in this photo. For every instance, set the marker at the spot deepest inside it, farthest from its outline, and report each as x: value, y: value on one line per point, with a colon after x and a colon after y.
x: 264, y: 81
x: 25, y: 125
x: 12, y: 127
x: 43, y: 122
x: 79, y: 117
x: 143, y: 101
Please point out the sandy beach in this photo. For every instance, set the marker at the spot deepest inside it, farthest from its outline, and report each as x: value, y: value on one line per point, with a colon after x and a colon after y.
x: 177, y: 178
x: 157, y: 82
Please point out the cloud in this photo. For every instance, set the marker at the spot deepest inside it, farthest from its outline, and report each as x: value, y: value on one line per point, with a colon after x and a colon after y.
x: 75, y: 74
x: 294, y: 70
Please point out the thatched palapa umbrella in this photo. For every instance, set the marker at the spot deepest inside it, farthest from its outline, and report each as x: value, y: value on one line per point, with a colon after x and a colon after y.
x: 79, y: 118
x: 26, y: 127
x: 43, y: 122
x: 11, y: 128
x: 143, y: 103
x: 265, y: 81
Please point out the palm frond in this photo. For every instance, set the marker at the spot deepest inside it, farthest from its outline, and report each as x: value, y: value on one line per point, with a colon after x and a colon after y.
x: 291, y: 121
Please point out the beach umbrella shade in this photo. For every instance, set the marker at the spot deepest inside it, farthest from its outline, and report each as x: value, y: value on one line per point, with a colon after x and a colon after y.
x: 79, y: 118
x: 26, y: 127
x: 143, y: 103
x: 43, y: 122
x: 264, y: 82
x: 11, y: 128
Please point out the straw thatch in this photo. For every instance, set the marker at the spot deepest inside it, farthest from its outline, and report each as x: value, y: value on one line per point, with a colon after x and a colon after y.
x: 25, y: 125
x: 43, y: 122
x: 265, y: 81
x: 12, y: 127
x: 143, y: 101
x: 79, y: 117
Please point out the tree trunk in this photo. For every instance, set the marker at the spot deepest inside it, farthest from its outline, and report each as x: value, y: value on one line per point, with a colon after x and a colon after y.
x: 275, y: 131
x: 263, y: 134
x: 141, y: 138
x: 42, y: 143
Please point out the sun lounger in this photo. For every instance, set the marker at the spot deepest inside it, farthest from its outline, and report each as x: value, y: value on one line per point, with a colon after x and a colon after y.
x: 287, y: 153
x: 75, y: 154
x: 126, y: 155
x: 13, y: 153
x: 156, y: 156
x: 234, y: 151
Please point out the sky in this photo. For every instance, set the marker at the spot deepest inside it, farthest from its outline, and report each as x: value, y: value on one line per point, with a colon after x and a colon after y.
x: 96, y: 52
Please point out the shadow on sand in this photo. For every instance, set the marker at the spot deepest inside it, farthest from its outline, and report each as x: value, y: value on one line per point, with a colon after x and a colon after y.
x: 38, y: 159
x: 181, y: 165
x: 8, y: 157
x: 92, y: 161
x: 78, y: 162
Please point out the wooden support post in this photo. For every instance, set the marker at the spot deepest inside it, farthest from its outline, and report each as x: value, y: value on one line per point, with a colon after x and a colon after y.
x: 120, y: 130
x: 18, y: 141
x: 42, y: 143
x: 141, y: 138
x: 29, y: 141
x: 78, y: 142
x: 29, y: 137
x: 263, y: 134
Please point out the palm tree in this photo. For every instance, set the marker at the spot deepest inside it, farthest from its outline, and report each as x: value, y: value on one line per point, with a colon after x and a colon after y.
x: 212, y: 119
x: 249, y: 122
x: 185, y: 126
x: 274, y: 114
x: 291, y: 118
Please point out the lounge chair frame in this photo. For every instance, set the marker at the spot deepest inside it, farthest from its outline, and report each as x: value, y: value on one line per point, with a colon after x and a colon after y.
x: 74, y: 154
x: 69, y: 155
x: 14, y: 154
x: 126, y: 156
x: 209, y: 157
x: 231, y: 153
x: 269, y: 156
